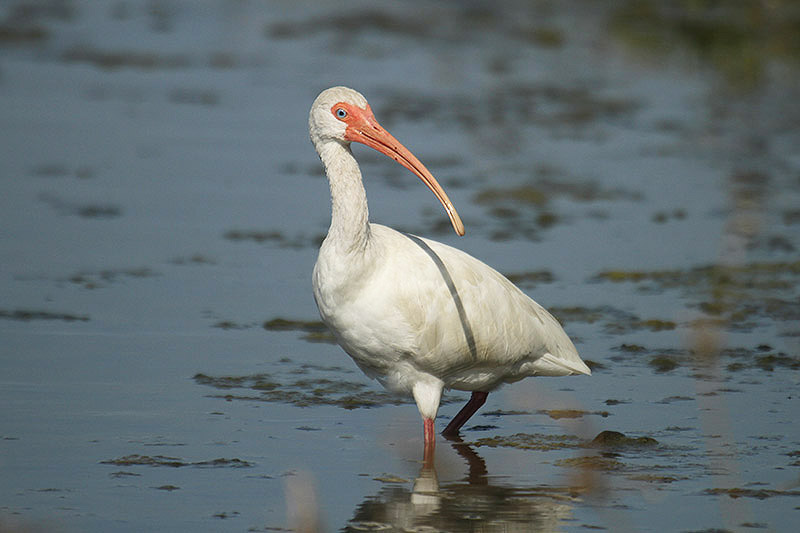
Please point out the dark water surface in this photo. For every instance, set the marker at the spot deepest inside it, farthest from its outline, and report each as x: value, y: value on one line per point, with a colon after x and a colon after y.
x: 635, y: 169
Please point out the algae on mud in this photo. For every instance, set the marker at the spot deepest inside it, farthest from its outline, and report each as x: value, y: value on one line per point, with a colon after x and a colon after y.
x: 617, y: 321
x: 175, y: 462
x: 104, y: 278
x: 315, y: 330
x: 610, y: 452
x: 740, y: 296
x: 539, y: 442
x: 526, y: 210
x: 27, y: 315
x: 261, y: 237
x: 546, y: 442
x: 615, y: 439
x: 303, y: 392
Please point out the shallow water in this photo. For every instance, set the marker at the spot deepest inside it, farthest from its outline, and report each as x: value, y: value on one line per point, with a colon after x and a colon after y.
x: 162, y: 366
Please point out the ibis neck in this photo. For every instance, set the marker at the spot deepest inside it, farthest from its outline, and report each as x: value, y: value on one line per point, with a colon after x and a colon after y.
x: 349, y: 212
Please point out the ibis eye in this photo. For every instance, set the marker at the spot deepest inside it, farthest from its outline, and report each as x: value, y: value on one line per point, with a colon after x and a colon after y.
x: 341, y: 113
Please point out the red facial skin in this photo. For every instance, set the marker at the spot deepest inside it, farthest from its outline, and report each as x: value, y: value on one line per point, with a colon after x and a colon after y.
x: 362, y: 127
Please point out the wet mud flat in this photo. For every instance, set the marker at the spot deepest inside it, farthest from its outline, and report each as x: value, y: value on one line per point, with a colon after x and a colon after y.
x: 631, y: 167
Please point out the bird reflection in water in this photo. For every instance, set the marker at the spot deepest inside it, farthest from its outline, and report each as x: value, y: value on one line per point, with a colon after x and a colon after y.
x: 473, y: 503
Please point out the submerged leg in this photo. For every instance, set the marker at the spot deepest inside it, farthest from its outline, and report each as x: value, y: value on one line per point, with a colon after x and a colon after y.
x: 477, y: 399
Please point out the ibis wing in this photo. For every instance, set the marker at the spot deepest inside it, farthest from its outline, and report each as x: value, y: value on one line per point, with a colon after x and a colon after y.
x: 468, y: 322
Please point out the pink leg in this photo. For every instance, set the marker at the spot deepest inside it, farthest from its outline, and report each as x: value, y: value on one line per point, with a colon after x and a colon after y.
x: 477, y: 399
x: 430, y: 442
x: 430, y: 432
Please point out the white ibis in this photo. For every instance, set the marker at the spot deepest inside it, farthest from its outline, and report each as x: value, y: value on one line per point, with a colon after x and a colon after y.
x: 418, y: 315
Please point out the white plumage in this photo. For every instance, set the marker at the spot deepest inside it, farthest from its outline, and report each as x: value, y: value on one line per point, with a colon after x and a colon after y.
x: 418, y: 315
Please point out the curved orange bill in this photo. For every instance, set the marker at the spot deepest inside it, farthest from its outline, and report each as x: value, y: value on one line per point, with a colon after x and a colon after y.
x: 366, y: 130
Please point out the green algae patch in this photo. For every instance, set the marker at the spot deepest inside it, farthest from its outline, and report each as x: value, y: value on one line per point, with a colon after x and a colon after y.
x: 593, y: 462
x: 28, y: 315
x: 12, y: 34
x: 636, y: 324
x: 558, y: 414
x: 128, y: 59
x: 663, y: 363
x: 104, y: 278
x: 301, y: 386
x: 653, y: 324
x: 194, y: 259
x: 90, y: 210
x: 759, y: 494
x: 588, y: 315
x: 735, y: 359
x: 231, y: 325
x: 614, y: 321
x: 673, y: 399
x: 226, y: 382
x: 772, y: 361
x: 536, y: 441
x: 175, y: 462
x: 546, y: 37
x: 525, y: 210
x: 505, y: 412
x: 653, y: 478
x: 594, y: 365
x: 271, y: 237
x: 611, y: 443
x: 618, y: 276
x: 522, y: 194
x: 615, y: 439
x: 736, y: 297
x: 759, y: 275
x: 531, y: 279
x: 283, y: 324
x: 312, y: 330
x: 631, y: 348
x: 762, y: 357
x: 315, y: 330
x: 613, y: 401
x: 254, y: 235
